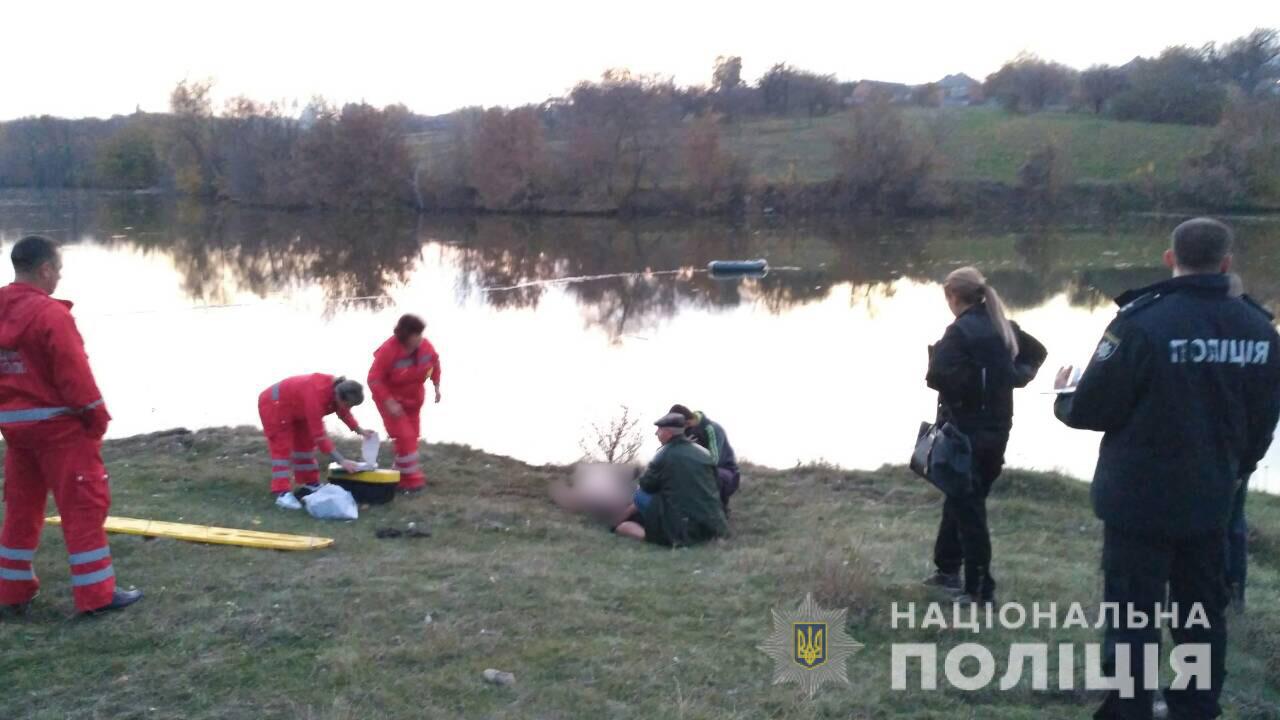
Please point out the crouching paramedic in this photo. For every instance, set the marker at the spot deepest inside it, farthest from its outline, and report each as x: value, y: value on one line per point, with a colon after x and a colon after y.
x: 398, y: 378
x: 678, y: 502
x: 53, y: 419
x: 293, y: 412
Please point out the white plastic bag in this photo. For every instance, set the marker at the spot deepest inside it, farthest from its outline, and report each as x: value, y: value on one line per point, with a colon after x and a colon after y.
x: 331, y: 502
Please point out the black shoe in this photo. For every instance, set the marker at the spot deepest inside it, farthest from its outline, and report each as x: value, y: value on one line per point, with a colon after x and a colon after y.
x: 946, y: 581
x: 120, y: 600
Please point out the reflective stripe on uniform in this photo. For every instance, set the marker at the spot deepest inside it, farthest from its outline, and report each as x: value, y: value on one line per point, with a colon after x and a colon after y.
x: 281, y: 474
x: 93, y: 578
x: 304, y: 456
x: 7, y: 574
x: 402, y: 364
x: 407, y: 458
x: 92, y: 405
x: 89, y: 556
x: 275, y: 392
x: 32, y: 415
x: 8, y: 553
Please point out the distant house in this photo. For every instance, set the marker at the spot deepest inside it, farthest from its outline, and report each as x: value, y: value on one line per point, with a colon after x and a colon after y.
x: 865, y: 91
x: 960, y: 90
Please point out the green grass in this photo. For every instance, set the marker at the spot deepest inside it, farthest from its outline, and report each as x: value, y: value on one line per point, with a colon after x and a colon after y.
x: 593, y: 626
x: 983, y: 144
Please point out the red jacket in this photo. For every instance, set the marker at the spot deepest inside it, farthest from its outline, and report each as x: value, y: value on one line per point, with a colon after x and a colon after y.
x: 402, y: 374
x: 307, y: 399
x: 48, y: 396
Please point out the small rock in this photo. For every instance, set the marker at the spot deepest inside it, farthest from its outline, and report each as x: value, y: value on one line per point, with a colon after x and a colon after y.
x: 497, y: 677
x: 428, y: 619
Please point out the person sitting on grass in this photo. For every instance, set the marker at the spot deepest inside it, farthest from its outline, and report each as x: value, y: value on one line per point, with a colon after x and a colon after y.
x: 678, y: 501
x: 711, y: 436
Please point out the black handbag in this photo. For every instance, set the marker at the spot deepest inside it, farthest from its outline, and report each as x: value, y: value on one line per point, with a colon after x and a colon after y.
x: 944, y: 456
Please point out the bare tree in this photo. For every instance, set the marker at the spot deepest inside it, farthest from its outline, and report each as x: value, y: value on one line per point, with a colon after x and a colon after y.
x: 191, y: 152
x: 727, y: 75
x: 1250, y: 61
x: 617, y: 441
x: 1099, y: 84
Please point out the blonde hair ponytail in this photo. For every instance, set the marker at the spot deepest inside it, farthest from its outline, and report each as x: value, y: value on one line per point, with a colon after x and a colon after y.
x: 970, y: 287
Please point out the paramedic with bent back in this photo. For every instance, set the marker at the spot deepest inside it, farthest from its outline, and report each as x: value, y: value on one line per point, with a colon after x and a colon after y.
x: 292, y: 413
x: 52, y: 418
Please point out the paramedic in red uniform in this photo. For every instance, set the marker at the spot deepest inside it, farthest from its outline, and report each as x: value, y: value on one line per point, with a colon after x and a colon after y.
x: 398, y: 382
x: 52, y: 418
x: 292, y: 413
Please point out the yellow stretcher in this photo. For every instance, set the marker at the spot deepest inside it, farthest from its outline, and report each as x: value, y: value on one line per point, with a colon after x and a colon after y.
x: 211, y: 535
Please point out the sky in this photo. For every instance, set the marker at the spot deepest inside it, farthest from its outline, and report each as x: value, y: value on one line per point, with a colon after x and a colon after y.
x: 78, y: 59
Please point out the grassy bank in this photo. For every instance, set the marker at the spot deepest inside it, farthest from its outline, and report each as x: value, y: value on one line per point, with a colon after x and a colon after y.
x: 983, y: 144
x: 591, y: 625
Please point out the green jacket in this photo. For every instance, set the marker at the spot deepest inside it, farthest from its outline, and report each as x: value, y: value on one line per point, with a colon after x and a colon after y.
x: 686, y: 508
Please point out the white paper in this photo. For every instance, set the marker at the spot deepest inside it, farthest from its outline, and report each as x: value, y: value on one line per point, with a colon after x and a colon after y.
x: 369, y: 452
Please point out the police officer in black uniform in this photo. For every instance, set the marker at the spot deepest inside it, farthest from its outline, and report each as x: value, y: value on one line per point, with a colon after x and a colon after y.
x: 1185, y: 384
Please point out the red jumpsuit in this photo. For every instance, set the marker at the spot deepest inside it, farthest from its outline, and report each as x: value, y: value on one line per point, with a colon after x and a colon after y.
x: 292, y: 413
x: 52, y: 418
x: 401, y: 375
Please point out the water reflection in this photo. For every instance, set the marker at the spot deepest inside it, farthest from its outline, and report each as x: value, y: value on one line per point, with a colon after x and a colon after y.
x: 835, y: 333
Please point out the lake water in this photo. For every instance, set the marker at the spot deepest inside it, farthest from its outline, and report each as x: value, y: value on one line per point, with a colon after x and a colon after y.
x: 546, y: 326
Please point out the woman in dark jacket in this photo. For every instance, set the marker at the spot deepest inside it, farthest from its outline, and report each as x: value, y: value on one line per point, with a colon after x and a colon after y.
x: 975, y: 367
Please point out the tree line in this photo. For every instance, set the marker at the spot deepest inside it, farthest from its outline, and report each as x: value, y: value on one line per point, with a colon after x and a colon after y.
x: 630, y: 142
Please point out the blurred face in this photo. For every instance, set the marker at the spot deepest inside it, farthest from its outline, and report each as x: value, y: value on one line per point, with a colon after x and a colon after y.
x: 412, y: 342
x: 665, y: 434
x: 954, y: 303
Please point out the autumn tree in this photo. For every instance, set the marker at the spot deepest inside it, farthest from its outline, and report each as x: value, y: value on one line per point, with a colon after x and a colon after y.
x: 884, y: 164
x: 786, y: 90
x: 128, y: 159
x: 1099, y: 84
x: 622, y: 132
x: 191, y: 155
x: 355, y: 158
x: 1181, y: 85
x: 1029, y: 84
x: 508, y: 160
x: 714, y: 175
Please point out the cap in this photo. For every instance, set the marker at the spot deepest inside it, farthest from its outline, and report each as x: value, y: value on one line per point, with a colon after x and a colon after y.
x: 671, y: 420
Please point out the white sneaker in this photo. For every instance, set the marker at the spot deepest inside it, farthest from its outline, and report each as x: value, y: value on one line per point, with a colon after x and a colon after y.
x: 288, y: 502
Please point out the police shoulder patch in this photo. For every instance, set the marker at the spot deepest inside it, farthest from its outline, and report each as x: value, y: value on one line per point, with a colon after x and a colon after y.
x: 1142, y: 302
x: 1107, y: 347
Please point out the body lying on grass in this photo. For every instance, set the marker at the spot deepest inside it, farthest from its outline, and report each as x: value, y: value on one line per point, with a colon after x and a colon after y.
x: 677, y: 501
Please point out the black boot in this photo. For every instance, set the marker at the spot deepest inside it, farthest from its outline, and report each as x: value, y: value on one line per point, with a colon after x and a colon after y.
x: 947, y: 581
x: 120, y: 600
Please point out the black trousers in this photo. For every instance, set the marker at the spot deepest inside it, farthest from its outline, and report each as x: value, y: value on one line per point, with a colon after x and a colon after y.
x: 964, y: 537
x: 1141, y: 570
x: 1238, y: 545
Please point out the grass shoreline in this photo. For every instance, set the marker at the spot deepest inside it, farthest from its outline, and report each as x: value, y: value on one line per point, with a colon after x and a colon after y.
x: 591, y: 625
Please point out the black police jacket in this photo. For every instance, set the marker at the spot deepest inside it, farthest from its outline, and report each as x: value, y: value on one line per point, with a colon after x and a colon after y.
x: 975, y: 375
x: 1185, y: 384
